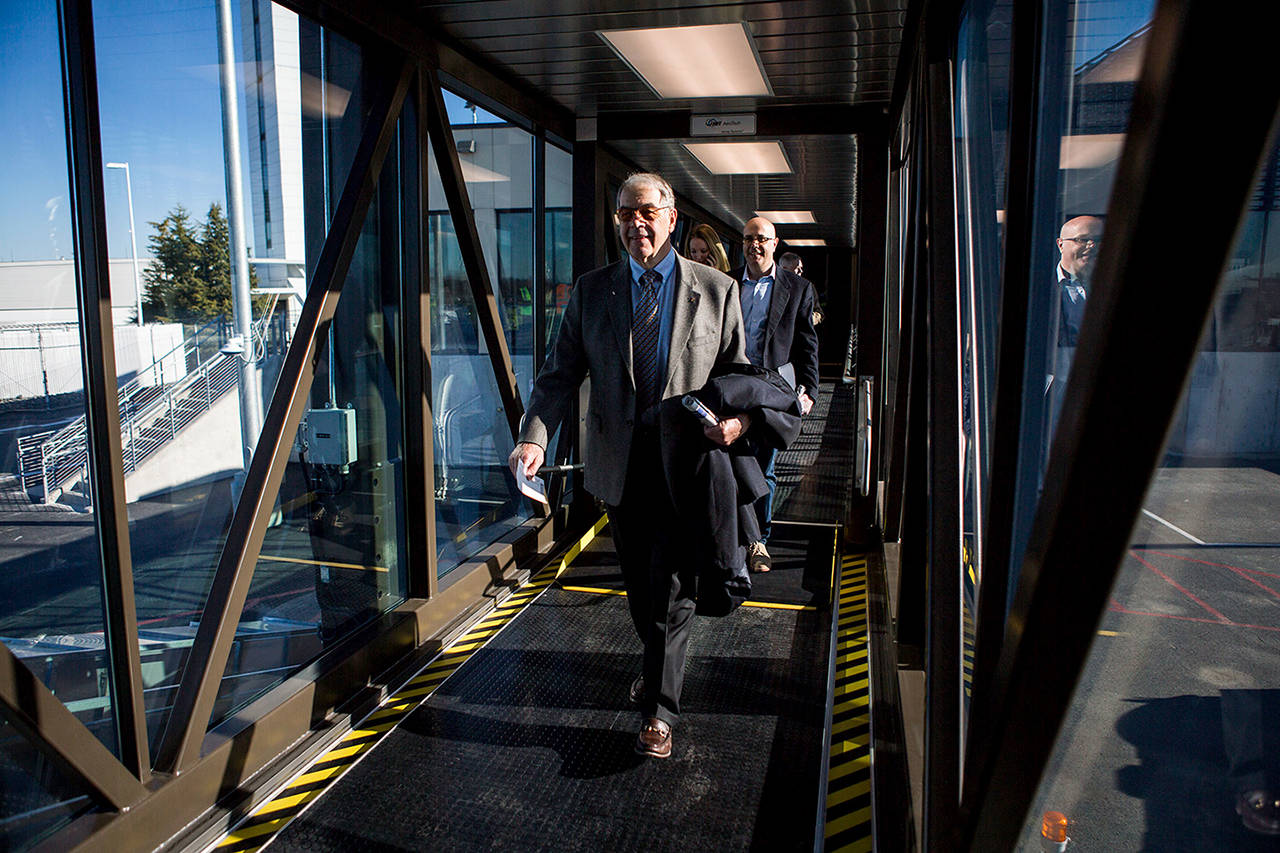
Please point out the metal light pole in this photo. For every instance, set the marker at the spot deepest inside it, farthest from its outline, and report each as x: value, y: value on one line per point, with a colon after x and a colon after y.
x: 241, y: 305
x: 133, y: 237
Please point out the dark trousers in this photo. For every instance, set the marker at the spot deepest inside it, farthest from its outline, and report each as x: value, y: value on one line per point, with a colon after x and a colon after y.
x: 764, y: 504
x: 1252, y: 738
x: 660, y: 579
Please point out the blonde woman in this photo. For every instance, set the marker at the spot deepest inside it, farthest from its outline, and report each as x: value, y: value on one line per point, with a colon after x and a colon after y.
x: 703, y: 246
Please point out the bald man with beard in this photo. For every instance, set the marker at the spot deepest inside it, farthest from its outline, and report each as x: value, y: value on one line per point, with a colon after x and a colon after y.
x: 1078, y: 242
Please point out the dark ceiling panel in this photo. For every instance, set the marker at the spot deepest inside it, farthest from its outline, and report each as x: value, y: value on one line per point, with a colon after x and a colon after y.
x: 839, y: 53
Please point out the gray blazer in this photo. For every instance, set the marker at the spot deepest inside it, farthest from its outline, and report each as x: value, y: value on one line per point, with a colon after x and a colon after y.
x: 595, y: 340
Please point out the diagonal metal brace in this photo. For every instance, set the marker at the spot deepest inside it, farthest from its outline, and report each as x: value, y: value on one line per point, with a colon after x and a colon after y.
x: 193, y: 704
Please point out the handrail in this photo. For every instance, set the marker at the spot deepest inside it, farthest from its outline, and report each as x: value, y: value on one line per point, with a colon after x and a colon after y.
x: 63, y: 454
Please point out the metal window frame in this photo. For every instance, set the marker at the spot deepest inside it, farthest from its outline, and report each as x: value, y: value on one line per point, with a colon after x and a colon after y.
x: 102, y: 414
x: 420, y: 500
x: 1111, y: 435
x: 1030, y: 173
x: 212, y: 761
x: 893, y: 418
x: 942, y: 717
x: 913, y: 512
x: 188, y: 721
x: 33, y: 710
x: 449, y: 167
x: 868, y: 300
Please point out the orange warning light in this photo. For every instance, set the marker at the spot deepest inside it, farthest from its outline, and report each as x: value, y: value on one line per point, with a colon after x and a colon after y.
x: 1053, y: 826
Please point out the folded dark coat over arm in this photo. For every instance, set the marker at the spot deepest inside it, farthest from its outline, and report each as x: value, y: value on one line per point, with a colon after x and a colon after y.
x: 715, y: 486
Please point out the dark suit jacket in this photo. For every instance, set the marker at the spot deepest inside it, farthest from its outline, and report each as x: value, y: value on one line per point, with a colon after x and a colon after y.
x: 1070, y: 316
x: 789, y: 335
x: 595, y: 340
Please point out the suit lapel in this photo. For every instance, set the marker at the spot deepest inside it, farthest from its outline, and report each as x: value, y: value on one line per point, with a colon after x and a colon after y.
x: 688, y: 294
x: 620, y: 312
x: 781, y: 292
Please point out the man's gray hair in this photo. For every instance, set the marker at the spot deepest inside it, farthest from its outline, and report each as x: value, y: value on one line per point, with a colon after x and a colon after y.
x: 636, y: 180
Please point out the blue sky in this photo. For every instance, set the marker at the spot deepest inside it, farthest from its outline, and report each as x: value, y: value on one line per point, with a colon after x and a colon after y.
x: 160, y: 112
x: 159, y: 107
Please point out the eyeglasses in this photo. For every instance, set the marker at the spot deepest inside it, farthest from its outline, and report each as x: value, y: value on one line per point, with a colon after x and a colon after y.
x: 649, y: 212
x: 1084, y: 241
x: 756, y: 239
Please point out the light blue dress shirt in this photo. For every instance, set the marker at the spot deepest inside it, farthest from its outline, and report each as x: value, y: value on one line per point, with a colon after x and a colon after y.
x: 755, y: 294
x: 666, y: 301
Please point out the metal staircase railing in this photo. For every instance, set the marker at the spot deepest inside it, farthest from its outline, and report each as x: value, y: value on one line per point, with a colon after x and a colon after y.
x: 152, y: 412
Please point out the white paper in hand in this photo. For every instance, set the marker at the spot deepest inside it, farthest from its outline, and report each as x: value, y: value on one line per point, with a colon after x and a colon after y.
x: 531, y: 487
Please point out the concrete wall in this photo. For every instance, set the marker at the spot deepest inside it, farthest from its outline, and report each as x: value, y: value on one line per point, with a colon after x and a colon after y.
x: 208, y: 447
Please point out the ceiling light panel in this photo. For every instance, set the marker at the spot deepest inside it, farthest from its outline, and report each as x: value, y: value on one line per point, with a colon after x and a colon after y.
x: 711, y: 61
x: 741, y: 158
x: 804, y: 242
x: 788, y: 217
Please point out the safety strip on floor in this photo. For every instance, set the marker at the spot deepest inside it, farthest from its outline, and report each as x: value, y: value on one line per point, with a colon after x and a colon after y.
x: 262, y: 825
x: 848, y: 807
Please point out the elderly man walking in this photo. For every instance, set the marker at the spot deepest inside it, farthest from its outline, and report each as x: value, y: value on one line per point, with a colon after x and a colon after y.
x: 647, y: 330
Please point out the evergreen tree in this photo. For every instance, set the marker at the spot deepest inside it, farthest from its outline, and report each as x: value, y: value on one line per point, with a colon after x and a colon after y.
x: 190, y: 281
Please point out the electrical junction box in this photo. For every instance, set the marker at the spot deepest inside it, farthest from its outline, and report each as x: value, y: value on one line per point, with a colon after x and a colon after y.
x: 330, y: 436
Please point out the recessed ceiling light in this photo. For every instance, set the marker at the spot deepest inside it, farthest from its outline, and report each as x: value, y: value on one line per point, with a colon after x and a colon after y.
x: 804, y: 242
x: 788, y: 217
x: 710, y: 61
x: 741, y: 158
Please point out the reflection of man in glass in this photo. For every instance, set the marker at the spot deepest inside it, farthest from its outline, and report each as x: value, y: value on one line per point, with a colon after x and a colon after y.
x: 1078, y: 242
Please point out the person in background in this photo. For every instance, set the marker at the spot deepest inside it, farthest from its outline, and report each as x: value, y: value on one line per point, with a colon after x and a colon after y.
x: 1078, y: 242
x: 631, y: 327
x: 792, y: 262
x: 777, y: 312
x: 703, y: 245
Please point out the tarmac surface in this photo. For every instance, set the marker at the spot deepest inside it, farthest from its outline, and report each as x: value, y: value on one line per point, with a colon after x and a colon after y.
x: 1184, y: 674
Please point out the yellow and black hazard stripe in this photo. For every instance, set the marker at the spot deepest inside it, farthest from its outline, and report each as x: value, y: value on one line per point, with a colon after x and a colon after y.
x: 969, y: 640
x: 255, y: 831
x: 848, y: 807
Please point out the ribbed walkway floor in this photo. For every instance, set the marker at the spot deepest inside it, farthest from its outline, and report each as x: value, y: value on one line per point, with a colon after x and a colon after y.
x: 520, y: 735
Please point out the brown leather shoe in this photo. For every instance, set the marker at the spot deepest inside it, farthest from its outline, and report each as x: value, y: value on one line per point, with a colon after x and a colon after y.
x: 654, y: 739
x: 637, y: 690
x: 758, y: 557
x: 1259, y: 811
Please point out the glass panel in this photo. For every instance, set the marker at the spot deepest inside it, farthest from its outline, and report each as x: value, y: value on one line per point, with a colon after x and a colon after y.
x: 476, y: 498
x: 558, y: 260
x: 51, y: 605
x: 35, y: 800
x: 981, y: 131
x: 197, y: 374
x: 1171, y: 741
x: 497, y: 164
x: 1094, y: 51
x: 335, y: 552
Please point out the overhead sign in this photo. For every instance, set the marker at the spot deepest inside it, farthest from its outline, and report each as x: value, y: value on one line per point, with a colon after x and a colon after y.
x: 723, y: 125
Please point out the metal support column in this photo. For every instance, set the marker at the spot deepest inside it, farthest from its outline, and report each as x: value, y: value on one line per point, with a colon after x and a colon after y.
x: 102, y: 403
x: 464, y: 223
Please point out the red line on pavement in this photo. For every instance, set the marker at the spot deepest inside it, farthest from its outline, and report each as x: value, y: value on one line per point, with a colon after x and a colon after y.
x: 1220, y: 565
x: 1179, y: 587
x: 1118, y: 608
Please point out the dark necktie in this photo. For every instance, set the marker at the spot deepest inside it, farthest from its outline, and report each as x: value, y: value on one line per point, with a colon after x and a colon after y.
x: 644, y: 342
